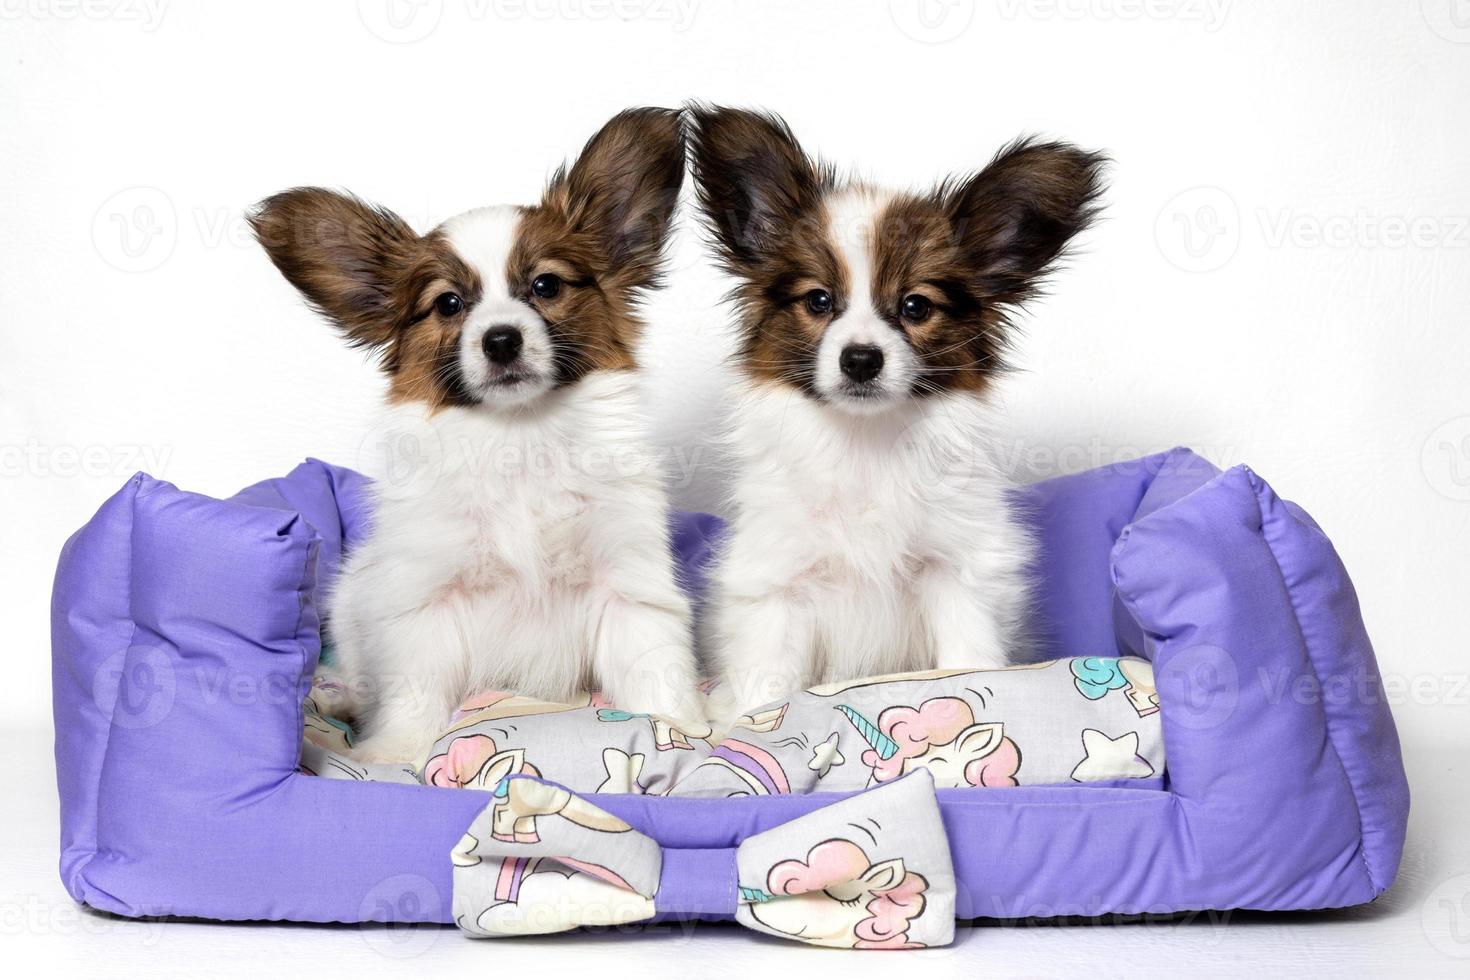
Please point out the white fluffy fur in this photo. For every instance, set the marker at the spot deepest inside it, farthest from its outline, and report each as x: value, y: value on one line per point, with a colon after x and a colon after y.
x: 524, y: 552
x: 871, y: 535
x: 863, y: 544
x: 517, y: 545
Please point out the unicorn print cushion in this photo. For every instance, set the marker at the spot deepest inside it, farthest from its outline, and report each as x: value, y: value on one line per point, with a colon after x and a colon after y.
x: 1092, y: 719
x: 870, y: 871
x: 587, y: 745
x: 1088, y: 720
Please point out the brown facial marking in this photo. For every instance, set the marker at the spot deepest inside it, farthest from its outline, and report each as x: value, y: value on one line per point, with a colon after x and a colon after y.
x: 591, y: 320
x: 601, y: 228
x: 915, y: 252
x: 365, y: 269
x: 975, y: 248
x: 762, y: 199
x: 780, y: 331
x: 422, y: 358
x: 987, y: 243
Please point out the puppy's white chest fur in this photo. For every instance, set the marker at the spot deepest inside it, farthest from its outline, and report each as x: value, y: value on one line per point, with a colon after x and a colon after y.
x: 499, y: 543
x: 522, y: 531
x: 865, y: 544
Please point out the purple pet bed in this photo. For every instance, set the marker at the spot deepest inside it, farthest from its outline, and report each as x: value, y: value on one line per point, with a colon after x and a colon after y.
x: 185, y: 633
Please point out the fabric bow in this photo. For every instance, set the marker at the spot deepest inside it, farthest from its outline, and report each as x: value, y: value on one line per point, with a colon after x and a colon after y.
x: 870, y: 871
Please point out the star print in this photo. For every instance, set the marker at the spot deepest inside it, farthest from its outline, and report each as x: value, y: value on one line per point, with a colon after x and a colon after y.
x: 825, y: 756
x: 1110, y: 758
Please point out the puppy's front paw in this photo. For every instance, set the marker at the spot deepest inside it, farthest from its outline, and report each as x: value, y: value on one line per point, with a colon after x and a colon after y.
x: 681, y: 706
x: 383, y: 749
x: 722, y: 709
x: 965, y: 656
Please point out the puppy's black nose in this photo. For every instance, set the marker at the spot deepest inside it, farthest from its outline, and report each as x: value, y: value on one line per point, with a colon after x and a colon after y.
x: 502, y: 344
x: 861, y: 362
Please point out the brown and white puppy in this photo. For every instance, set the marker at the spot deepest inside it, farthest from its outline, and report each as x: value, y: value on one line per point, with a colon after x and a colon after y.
x: 519, y: 539
x: 872, y: 529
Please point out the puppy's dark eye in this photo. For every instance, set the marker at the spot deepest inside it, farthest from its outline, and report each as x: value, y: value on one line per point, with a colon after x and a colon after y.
x: 448, y: 304
x: 546, y: 286
x: 916, y: 308
x: 819, y: 301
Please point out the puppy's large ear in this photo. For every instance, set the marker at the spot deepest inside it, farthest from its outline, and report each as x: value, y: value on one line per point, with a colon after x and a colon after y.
x: 345, y: 256
x: 622, y: 191
x: 1016, y: 217
x: 753, y: 180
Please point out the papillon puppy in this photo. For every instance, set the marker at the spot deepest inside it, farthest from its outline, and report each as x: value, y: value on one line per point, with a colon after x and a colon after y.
x: 519, y: 538
x: 872, y: 530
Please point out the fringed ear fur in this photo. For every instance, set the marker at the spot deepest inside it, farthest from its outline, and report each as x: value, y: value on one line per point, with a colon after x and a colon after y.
x: 1016, y: 217
x: 346, y: 257
x: 622, y: 191
x: 753, y: 180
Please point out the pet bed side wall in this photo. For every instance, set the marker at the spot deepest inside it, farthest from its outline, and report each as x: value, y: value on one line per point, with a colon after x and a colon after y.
x: 1237, y: 614
x: 1347, y: 679
x: 90, y: 631
x: 1076, y: 520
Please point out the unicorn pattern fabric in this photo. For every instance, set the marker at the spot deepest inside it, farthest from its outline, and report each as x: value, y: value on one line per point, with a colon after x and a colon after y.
x: 869, y: 872
x: 1093, y: 719
x: 872, y: 871
x: 587, y: 744
x: 982, y: 728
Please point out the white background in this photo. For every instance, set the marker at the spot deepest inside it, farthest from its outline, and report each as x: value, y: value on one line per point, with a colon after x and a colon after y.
x: 1282, y: 279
